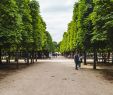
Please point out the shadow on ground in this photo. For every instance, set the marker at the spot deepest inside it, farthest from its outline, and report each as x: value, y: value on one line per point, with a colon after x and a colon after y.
x: 104, y: 70
x: 8, y: 69
x: 107, y: 74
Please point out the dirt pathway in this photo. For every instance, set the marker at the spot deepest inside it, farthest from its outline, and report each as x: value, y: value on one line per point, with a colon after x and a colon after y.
x: 55, y: 77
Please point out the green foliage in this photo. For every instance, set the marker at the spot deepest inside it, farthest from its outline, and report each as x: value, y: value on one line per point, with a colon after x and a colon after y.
x: 91, y: 26
x: 24, y: 10
x: 34, y: 7
x: 56, y: 47
x: 49, y: 43
x: 102, y: 22
x: 78, y: 33
x: 22, y: 27
x: 10, y: 24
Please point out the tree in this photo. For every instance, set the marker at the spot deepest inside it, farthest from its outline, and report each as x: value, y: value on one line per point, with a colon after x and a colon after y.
x: 35, y: 13
x: 24, y: 10
x: 49, y: 44
x: 10, y: 25
x: 22, y: 29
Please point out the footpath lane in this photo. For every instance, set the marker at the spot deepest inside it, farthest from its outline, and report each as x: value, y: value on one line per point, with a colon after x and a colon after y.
x: 55, y: 77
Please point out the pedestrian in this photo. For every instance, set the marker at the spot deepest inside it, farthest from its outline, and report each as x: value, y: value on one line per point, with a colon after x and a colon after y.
x: 50, y: 55
x: 80, y: 60
x: 76, y: 60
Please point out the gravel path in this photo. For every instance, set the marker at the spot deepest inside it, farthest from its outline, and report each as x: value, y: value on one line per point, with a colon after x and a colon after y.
x: 54, y: 77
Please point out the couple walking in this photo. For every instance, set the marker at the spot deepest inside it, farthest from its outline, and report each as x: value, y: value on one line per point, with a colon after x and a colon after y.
x: 78, y: 60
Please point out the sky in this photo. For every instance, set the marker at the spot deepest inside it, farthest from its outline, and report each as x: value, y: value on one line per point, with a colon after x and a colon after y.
x: 57, y: 14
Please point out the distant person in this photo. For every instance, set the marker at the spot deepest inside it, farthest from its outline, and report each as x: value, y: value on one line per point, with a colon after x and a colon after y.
x: 50, y: 55
x: 77, y: 61
x: 55, y: 54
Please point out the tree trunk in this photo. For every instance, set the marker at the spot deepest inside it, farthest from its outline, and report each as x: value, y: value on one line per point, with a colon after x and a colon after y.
x: 9, y: 56
x: 85, y: 58
x: 95, y: 58
x: 17, y: 56
x: 0, y: 56
x: 108, y: 57
x: 36, y: 56
x: 27, y: 57
x: 112, y: 57
x: 40, y: 55
x: 31, y: 57
x: 102, y: 57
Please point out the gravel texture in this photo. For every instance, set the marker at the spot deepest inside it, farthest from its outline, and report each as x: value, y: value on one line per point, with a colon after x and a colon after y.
x: 55, y: 77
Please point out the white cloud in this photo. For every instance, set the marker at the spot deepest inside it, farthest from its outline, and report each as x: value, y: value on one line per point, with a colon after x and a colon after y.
x: 57, y: 14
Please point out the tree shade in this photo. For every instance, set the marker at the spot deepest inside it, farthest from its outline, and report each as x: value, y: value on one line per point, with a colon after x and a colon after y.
x: 10, y: 24
x: 91, y: 27
x: 22, y: 28
x: 91, y: 24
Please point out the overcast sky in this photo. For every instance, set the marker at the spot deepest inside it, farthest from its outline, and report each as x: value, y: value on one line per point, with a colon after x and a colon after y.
x: 57, y: 14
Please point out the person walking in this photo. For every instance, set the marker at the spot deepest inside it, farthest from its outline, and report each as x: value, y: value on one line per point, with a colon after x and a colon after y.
x: 77, y: 61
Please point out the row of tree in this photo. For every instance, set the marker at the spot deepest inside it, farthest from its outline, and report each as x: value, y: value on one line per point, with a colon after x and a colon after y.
x: 22, y: 28
x: 90, y: 29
